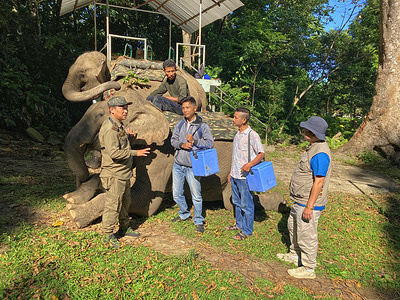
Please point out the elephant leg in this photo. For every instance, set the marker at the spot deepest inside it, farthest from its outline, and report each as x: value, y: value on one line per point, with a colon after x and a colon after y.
x: 227, y: 196
x: 84, y: 214
x: 86, y: 191
x: 152, y: 175
x: 273, y: 201
x: 224, y: 151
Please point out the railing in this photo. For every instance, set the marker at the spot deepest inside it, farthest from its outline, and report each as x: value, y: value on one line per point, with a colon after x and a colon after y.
x: 130, y: 47
x: 151, y: 52
x: 127, y: 38
x: 179, y: 60
x: 253, y: 118
x: 170, y: 50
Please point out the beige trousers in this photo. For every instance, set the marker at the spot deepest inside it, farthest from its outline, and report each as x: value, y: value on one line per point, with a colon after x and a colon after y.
x: 116, y: 207
x: 304, y: 236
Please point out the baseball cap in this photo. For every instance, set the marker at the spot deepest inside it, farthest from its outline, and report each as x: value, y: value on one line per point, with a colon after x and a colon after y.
x: 118, y: 101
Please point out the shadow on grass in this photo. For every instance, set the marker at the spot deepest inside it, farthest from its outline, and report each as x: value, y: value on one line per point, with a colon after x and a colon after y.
x: 24, y: 287
x: 392, y: 226
x: 283, y: 229
x: 22, y: 200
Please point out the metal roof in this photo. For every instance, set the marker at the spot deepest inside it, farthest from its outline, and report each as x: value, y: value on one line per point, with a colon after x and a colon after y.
x: 183, y: 13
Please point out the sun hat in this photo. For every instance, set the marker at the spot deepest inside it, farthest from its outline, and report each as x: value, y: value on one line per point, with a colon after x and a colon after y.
x: 316, y: 125
x: 118, y: 101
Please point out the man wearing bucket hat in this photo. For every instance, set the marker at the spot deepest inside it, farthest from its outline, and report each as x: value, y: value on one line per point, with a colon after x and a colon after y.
x: 116, y: 171
x: 308, y: 189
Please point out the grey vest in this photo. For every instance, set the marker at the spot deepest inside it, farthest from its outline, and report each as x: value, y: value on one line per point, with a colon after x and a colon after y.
x: 302, y: 178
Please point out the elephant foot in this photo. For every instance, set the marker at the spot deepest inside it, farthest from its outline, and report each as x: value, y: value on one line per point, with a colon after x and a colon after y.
x: 69, y: 198
x: 84, y: 214
x: 86, y: 191
x: 273, y: 201
x: 145, y: 206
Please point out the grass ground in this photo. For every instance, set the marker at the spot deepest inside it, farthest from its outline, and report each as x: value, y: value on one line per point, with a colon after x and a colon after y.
x: 359, y: 243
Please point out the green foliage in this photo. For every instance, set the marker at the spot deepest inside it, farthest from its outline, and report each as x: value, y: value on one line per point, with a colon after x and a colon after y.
x: 267, y: 53
x: 369, y: 157
x: 213, y: 71
x: 131, y: 79
x: 277, y: 53
x: 335, y: 143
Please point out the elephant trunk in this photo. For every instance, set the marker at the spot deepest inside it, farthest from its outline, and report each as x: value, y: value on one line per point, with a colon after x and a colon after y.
x: 83, y: 136
x: 72, y: 92
x: 74, y: 155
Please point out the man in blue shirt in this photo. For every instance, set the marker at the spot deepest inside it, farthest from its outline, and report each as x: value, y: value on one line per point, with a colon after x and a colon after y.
x: 308, y: 189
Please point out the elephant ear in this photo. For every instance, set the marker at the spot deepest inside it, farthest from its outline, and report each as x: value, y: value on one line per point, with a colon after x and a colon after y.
x: 102, y: 71
x: 145, y: 119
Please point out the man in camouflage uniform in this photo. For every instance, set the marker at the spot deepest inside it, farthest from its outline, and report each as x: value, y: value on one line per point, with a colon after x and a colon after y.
x: 175, y: 85
x: 116, y: 171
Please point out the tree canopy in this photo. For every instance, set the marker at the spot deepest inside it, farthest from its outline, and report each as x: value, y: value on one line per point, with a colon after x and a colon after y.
x: 272, y: 56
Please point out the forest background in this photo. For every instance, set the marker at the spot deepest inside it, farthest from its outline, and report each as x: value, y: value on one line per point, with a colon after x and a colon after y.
x: 274, y: 57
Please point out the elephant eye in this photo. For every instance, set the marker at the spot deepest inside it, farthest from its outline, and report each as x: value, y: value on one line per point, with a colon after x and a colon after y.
x: 82, y: 77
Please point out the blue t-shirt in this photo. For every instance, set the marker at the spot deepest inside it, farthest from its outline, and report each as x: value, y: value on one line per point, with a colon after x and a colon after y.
x: 320, y: 164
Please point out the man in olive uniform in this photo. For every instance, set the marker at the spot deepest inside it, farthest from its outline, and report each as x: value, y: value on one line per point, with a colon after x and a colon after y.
x: 116, y: 171
x: 175, y: 85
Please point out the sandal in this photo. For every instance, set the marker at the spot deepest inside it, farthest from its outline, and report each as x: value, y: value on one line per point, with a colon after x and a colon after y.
x: 240, y: 236
x: 233, y: 227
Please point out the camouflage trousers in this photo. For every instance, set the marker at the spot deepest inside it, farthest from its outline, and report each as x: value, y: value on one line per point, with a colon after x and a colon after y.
x: 116, y: 207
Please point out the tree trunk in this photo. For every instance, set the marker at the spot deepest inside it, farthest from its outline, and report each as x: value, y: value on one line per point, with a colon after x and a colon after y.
x: 380, y: 130
x: 187, y: 55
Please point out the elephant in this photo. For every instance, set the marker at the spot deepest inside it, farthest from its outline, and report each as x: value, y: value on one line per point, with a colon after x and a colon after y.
x: 88, y: 79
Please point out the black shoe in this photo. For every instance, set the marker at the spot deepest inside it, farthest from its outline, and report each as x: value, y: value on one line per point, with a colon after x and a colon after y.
x: 178, y: 219
x: 127, y: 232
x: 130, y: 232
x: 200, y: 228
x: 112, y: 239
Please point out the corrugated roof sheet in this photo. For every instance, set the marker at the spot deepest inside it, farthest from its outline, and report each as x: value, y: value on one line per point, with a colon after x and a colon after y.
x: 184, y: 13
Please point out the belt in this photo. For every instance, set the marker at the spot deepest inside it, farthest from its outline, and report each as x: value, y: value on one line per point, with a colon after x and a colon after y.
x: 315, y: 207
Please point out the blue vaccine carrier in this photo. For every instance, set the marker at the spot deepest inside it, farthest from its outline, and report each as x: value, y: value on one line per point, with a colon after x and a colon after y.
x: 262, y: 177
x: 204, y: 162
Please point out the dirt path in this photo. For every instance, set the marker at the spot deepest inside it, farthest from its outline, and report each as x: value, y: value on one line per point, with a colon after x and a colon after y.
x: 19, y: 157
x: 162, y: 239
x: 345, y: 178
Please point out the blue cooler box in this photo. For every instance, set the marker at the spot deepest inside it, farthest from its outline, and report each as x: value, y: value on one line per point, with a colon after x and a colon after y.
x: 204, y: 162
x: 263, y: 177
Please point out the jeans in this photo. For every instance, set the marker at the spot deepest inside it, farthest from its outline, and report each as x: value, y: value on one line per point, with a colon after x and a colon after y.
x: 165, y: 104
x: 242, y: 198
x: 179, y: 173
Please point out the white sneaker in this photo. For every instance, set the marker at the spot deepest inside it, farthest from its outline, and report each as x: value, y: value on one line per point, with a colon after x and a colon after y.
x: 289, y: 257
x: 302, y: 272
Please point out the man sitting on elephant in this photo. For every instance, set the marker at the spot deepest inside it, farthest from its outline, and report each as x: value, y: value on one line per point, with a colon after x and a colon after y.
x: 190, y: 134
x: 116, y: 171
x: 175, y: 85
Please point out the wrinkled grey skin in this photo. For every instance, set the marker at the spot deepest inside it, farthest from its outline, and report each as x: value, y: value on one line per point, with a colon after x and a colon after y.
x: 150, y: 124
x: 88, y: 78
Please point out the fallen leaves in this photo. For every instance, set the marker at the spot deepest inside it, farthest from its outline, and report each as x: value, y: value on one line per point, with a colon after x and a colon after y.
x: 58, y: 223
